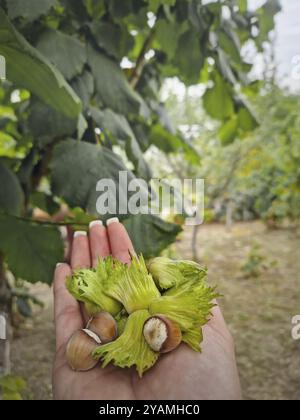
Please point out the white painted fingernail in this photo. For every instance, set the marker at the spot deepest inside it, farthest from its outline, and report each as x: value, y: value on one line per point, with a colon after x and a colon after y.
x: 96, y: 223
x: 79, y: 233
x: 112, y: 220
x: 58, y: 264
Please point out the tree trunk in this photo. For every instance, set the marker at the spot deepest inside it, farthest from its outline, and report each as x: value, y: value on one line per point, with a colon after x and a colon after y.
x: 194, y: 243
x: 229, y: 215
x: 5, y: 321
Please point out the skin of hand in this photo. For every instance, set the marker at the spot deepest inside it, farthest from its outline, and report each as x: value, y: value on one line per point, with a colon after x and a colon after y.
x: 179, y: 375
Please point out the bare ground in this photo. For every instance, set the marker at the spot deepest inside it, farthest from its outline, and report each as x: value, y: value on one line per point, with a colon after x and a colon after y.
x: 258, y: 310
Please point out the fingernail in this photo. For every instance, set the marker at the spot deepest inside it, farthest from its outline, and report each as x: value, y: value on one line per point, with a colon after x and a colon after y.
x: 58, y: 264
x: 112, y: 220
x: 79, y: 233
x: 96, y: 223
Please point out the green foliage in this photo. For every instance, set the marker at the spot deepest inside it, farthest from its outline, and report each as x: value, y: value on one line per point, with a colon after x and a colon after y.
x: 65, y: 51
x: 28, y: 9
x: 70, y: 110
x: 30, y: 70
x: 83, y: 164
x: 32, y: 250
x: 12, y: 387
x: 11, y: 194
x: 254, y: 262
x: 150, y: 235
x: 217, y: 100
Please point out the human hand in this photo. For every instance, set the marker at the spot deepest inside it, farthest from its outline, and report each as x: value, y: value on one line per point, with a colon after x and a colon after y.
x: 179, y: 375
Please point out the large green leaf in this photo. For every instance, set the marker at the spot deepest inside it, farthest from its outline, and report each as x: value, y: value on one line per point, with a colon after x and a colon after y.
x: 167, y: 34
x: 150, y: 234
x: 65, y: 51
x: 113, y: 123
x: 28, y: 9
x: 112, y: 87
x: 189, y: 57
x: 114, y: 39
x: 246, y: 121
x: 76, y: 169
x: 31, y: 250
x: 27, y: 68
x: 217, y: 100
x: 11, y: 195
x: 46, y: 124
x: 118, y: 130
x: 229, y: 42
x: 229, y: 130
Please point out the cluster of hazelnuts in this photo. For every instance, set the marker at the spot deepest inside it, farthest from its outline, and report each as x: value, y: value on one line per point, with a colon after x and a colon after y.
x: 161, y: 334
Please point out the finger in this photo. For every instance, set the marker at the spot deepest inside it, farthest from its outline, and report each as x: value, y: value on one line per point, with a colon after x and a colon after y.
x: 98, y: 241
x: 80, y: 256
x: 120, y: 243
x: 66, y: 309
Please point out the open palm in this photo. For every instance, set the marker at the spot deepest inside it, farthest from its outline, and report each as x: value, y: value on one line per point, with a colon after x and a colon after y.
x: 181, y: 374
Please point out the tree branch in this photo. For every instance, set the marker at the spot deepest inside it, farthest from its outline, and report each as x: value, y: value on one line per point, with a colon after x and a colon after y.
x: 141, y: 60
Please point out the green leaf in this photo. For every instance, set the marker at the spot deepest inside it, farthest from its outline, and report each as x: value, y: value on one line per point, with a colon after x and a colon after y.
x: 225, y: 68
x: 243, y: 5
x: 156, y: 234
x: 84, y: 86
x: 66, y: 52
x: 229, y: 42
x: 27, y: 68
x: 44, y: 202
x: 95, y: 8
x: 83, y: 165
x: 246, y: 120
x: 120, y: 8
x: 116, y: 128
x: 112, y: 87
x: 11, y: 194
x: 170, y: 143
x: 154, y: 4
x: 167, y: 34
x: 114, y: 39
x: 229, y: 131
x: 7, y: 146
x: 40, y: 248
x: 189, y: 57
x: 113, y: 123
x: 46, y: 124
x: 29, y: 10
x: 7, y: 112
x: 217, y: 100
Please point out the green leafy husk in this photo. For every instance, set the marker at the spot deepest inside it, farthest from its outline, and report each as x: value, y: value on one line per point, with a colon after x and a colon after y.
x: 130, y: 349
x: 131, y: 285
x: 178, y: 291
x: 91, y: 308
x: 193, y: 338
x: 121, y: 320
x: 87, y: 286
x: 189, y: 308
x: 171, y: 273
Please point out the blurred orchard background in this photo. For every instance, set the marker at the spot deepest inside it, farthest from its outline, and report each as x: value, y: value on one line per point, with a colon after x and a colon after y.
x: 158, y: 88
